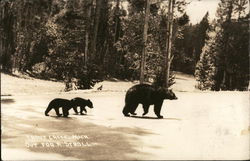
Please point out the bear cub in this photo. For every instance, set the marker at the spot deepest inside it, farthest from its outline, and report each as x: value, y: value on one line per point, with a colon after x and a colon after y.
x: 146, y: 95
x: 57, y: 103
x: 66, y: 105
x: 82, y: 103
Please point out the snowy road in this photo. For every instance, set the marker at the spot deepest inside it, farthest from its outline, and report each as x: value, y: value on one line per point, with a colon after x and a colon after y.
x: 209, y: 125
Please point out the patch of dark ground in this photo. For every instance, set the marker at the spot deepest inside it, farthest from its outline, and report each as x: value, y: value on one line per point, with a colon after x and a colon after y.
x: 7, y: 100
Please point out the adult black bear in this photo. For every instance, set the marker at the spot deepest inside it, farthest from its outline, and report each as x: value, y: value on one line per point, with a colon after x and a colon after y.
x: 146, y: 95
x: 57, y: 103
x: 82, y: 103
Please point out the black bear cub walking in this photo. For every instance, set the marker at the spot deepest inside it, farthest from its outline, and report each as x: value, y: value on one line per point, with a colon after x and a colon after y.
x: 82, y: 103
x: 56, y: 103
x: 66, y: 105
x: 146, y: 95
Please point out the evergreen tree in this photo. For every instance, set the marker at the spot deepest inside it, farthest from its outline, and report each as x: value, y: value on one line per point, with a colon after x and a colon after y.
x: 205, y: 68
x: 201, y: 36
x: 230, y: 30
x: 227, y: 52
x: 7, y: 35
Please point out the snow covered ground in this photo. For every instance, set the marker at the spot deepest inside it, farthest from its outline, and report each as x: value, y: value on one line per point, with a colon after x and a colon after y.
x: 199, y: 125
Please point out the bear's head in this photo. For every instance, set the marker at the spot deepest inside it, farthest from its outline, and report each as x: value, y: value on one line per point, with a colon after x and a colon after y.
x: 170, y: 95
x: 166, y: 93
x: 89, y: 104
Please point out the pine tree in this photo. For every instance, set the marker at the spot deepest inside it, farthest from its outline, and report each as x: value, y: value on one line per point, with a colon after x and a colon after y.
x: 201, y: 36
x: 224, y: 63
x: 230, y: 26
x: 205, y: 68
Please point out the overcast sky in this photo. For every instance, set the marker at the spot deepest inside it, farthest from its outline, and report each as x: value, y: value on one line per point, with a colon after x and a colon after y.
x: 197, y: 9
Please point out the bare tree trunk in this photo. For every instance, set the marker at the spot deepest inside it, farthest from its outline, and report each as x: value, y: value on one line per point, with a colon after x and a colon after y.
x: 86, y: 54
x: 169, y: 58
x: 96, y: 26
x: 86, y: 48
x: 223, y: 85
x: 116, y: 35
x: 145, y: 34
x: 116, y: 20
x: 231, y: 81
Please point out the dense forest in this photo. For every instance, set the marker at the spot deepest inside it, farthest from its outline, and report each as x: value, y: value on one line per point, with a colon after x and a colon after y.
x: 93, y: 40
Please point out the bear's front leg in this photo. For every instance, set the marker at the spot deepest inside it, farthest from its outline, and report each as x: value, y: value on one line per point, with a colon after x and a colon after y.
x: 65, y: 112
x: 145, y: 108
x: 83, y: 109
x: 133, y: 108
x: 157, y: 109
x: 75, y: 109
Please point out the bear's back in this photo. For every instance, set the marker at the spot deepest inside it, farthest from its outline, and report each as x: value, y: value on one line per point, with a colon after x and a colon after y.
x: 60, y: 102
x: 140, y: 93
x: 80, y: 101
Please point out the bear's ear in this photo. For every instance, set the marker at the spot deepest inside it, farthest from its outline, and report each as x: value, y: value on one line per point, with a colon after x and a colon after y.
x: 161, y: 90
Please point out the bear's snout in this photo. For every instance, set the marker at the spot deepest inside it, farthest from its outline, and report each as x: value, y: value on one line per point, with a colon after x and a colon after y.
x: 174, y: 98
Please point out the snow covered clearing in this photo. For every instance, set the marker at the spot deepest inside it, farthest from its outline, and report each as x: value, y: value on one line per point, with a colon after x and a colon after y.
x: 199, y: 125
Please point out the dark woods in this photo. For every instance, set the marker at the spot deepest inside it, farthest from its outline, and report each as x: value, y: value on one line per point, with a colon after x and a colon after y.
x: 92, y: 40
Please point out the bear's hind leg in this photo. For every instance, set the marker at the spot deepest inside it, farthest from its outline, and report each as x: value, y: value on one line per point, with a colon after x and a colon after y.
x: 125, y: 110
x: 133, y: 108
x: 47, y: 110
x: 57, y: 112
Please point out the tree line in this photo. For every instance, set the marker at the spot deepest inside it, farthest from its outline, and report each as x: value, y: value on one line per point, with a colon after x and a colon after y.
x: 224, y: 59
x: 92, y: 40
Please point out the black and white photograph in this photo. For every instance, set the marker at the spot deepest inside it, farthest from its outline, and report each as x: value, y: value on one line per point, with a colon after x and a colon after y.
x: 125, y: 79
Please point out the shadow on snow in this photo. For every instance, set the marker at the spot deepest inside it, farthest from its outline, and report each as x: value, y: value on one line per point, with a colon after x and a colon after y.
x: 111, y: 143
x: 156, y: 118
